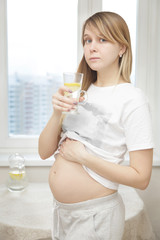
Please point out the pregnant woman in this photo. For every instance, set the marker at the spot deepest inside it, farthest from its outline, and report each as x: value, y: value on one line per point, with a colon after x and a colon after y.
x: 90, y: 146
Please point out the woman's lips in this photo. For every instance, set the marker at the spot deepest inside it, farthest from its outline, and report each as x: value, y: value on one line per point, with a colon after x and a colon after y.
x: 94, y: 58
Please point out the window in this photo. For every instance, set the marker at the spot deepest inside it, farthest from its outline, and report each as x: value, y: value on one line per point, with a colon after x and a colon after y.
x: 42, y: 43
x: 38, y: 41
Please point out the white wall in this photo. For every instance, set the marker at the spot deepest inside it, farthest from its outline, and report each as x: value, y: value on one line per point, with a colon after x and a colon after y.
x: 150, y: 196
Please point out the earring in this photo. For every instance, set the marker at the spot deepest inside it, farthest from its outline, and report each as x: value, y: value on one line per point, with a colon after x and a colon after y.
x: 120, y: 55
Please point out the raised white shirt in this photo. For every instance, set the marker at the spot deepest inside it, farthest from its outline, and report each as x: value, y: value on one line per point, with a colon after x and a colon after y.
x: 115, y: 119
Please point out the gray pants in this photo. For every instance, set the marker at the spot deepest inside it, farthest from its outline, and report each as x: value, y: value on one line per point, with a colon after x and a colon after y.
x: 97, y: 219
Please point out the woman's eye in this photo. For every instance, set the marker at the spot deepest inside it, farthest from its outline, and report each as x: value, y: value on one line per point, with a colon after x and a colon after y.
x: 102, y: 40
x: 87, y: 41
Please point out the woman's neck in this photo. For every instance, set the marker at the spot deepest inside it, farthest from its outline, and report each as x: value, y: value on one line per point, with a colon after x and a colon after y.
x: 107, y: 78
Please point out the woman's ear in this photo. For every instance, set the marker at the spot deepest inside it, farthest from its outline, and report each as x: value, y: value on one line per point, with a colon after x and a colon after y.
x: 122, y: 50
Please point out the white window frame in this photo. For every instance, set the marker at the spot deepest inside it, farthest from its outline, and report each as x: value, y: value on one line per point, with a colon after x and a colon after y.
x: 147, y: 47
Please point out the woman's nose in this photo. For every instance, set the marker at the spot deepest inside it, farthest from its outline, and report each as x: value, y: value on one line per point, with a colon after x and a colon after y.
x: 93, y: 46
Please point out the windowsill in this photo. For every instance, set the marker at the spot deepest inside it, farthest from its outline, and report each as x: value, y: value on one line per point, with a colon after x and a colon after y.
x: 34, y: 160
x: 30, y: 160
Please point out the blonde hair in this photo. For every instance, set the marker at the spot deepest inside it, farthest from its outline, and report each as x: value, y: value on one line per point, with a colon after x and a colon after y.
x: 113, y: 27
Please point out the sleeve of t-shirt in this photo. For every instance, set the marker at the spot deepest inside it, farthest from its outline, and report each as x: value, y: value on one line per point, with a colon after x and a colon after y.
x: 138, y: 128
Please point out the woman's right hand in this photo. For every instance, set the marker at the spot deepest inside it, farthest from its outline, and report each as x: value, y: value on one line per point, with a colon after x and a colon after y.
x: 61, y: 103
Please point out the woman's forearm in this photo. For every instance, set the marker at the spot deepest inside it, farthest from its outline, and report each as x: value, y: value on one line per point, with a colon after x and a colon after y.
x: 114, y: 172
x: 49, y: 138
x: 126, y: 175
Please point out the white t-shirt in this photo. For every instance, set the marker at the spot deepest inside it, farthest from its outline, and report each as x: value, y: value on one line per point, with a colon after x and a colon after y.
x: 115, y: 119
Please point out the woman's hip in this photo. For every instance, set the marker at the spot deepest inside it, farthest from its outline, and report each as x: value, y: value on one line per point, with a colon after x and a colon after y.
x: 101, y: 218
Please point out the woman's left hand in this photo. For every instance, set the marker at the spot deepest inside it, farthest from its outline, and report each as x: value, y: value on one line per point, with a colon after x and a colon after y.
x: 73, y: 151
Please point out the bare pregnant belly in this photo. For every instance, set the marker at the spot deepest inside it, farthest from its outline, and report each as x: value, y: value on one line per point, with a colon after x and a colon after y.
x: 70, y: 183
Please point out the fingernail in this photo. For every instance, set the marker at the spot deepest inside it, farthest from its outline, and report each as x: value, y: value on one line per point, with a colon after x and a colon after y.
x: 75, y: 103
x: 70, y: 91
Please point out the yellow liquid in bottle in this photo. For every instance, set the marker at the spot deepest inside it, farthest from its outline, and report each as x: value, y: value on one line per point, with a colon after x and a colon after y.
x: 16, y: 175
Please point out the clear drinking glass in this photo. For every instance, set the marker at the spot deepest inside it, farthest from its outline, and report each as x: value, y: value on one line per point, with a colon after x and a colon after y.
x: 74, y: 82
x: 17, y: 180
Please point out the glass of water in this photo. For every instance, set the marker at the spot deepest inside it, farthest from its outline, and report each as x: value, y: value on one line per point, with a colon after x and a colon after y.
x: 74, y: 82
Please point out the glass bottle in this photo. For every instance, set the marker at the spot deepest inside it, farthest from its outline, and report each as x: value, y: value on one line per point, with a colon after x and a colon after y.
x: 17, y: 180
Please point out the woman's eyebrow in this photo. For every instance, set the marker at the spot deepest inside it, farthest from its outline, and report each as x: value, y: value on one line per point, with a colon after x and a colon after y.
x: 100, y: 35
x: 85, y: 35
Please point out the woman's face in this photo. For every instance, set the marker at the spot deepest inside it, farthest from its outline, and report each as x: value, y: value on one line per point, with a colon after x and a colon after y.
x: 99, y: 53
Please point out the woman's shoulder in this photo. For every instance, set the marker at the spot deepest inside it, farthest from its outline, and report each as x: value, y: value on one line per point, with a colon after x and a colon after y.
x: 122, y: 93
x: 131, y: 97
x: 132, y: 93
